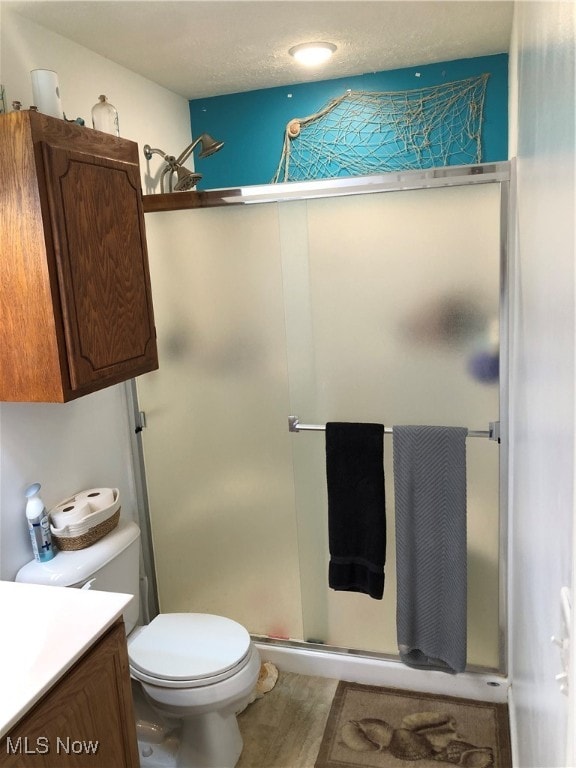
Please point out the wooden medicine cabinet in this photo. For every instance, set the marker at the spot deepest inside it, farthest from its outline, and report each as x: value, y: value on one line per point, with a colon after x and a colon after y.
x: 75, y: 300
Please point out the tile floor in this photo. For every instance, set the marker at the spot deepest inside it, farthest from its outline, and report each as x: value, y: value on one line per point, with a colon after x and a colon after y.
x: 284, y: 728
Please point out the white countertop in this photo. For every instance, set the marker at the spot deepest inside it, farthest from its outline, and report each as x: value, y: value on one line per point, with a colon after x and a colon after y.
x: 45, y: 630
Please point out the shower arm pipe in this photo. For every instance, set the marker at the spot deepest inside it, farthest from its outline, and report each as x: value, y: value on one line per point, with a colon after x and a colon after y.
x: 170, y: 167
x: 493, y: 433
x: 188, y: 151
x: 149, y: 151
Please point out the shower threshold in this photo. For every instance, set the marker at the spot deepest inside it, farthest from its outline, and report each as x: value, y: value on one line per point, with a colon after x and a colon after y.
x: 372, y: 668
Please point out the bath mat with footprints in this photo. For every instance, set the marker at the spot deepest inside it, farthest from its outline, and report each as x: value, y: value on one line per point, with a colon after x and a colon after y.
x: 373, y: 727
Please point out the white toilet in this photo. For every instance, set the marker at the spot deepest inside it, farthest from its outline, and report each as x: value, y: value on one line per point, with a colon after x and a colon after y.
x: 194, y: 667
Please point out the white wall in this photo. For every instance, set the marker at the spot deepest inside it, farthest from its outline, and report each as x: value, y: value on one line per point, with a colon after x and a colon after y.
x: 542, y: 436
x: 87, y: 442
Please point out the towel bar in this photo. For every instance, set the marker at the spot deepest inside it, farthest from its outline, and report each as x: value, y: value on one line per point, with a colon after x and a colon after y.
x: 493, y: 433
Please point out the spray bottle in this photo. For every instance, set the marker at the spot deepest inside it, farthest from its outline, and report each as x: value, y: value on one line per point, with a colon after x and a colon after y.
x: 39, y: 525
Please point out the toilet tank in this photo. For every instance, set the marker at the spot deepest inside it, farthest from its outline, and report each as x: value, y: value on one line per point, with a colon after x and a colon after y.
x: 110, y: 565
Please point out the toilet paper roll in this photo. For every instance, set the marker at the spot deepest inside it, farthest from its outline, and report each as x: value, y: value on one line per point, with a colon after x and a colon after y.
x: 69, y: 512
x: 98, y: 498
x: 46, y: 92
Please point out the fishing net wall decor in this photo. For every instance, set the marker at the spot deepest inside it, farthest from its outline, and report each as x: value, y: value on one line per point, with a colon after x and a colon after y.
x: 363, y: 132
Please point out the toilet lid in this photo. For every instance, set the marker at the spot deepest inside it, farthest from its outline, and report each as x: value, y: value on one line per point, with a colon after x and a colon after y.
x: 188, y: 646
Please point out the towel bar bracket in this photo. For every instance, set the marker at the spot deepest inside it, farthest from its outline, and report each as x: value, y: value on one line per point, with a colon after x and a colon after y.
x: 295, y: 426
x: 494, y: 429
x: 140, y: 422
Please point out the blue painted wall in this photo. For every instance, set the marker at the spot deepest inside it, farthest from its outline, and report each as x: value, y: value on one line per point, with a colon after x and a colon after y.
x: 252, y: 124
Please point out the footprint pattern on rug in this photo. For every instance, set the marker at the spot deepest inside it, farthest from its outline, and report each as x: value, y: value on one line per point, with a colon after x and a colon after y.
x: 423, y: 735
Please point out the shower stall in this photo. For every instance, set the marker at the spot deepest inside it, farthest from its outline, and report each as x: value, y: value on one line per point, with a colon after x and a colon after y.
x: 378, y: 299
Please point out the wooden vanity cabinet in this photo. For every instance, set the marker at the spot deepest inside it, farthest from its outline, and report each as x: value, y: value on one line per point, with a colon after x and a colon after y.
x: 86, y: 720
x: 75, y: 299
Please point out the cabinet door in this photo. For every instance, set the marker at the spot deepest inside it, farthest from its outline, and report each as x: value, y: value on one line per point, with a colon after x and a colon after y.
x: 86, y: 721
x: 102, y: 266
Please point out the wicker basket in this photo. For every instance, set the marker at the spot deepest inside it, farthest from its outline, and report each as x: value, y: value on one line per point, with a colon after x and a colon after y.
x: 73, y: 543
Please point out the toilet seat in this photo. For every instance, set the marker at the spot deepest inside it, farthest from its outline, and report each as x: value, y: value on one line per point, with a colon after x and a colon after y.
x: 188, y: 650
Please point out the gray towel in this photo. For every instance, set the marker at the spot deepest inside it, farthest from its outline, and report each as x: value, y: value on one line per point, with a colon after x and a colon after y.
x: 430, y: 492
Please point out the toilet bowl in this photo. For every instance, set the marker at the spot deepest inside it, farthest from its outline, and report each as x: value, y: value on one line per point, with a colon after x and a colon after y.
x: 200, y: 669
x: 195, y: 668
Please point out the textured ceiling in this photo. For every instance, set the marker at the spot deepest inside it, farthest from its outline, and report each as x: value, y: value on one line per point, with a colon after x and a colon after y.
x: 200, y: 48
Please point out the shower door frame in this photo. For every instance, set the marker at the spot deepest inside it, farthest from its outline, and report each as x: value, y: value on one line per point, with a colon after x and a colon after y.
x: 502, y: 173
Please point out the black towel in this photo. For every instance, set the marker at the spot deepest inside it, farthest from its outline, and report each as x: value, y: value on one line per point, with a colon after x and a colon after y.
x: 356, y: 507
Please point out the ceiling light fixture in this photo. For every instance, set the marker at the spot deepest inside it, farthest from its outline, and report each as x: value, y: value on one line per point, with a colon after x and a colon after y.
x: 312, y: 54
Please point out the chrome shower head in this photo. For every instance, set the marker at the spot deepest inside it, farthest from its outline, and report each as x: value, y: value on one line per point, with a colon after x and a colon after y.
x: 209, y: 145
x: 186, y: 179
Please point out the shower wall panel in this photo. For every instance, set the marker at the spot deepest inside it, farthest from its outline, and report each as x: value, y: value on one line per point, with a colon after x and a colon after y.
x: 367, y: 308
x: 217, y: 454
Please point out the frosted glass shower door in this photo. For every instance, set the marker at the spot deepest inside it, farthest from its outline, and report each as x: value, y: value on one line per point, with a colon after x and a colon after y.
x: 392, y: 317
x: 381, y: 307
x: 216, y: 448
